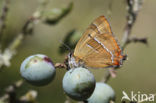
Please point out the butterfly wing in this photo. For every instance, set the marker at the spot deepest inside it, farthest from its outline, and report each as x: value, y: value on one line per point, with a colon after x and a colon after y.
x: 97, y: 48
x: 102, y: 24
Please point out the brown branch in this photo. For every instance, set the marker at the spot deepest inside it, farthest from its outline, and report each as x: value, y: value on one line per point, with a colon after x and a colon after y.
x: 109, y: 73
x: 136, y: 40
x: 28, y: 27
x: 10, y: 51
x: 60, y: 65
x: 134, y: 7
x: 107, y: 76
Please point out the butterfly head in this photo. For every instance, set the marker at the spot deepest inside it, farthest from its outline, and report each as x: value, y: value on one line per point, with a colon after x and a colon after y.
x: 71, y: 61
x: 74, y: 62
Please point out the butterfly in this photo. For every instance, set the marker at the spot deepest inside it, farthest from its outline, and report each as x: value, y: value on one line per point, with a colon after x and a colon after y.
x: 97, y: 48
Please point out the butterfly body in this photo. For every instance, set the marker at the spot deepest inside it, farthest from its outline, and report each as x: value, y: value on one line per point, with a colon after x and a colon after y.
x: 97, y: 48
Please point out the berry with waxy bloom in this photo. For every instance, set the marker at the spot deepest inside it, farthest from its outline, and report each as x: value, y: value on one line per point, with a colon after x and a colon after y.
x: 79, y: 83
x: 38, y: 70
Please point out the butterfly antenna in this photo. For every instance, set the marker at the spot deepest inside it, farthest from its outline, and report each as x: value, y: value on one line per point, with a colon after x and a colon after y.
x: 70, y: 50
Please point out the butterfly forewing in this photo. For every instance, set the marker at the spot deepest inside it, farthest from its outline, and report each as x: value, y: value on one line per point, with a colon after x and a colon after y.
x: 101, y: 23
x: 97, y: 48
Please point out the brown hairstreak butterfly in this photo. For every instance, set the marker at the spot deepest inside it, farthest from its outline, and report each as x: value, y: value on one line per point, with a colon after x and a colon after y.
x: 97, y: 48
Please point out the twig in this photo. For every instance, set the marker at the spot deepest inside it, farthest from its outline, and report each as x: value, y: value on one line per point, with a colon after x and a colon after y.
x: 107, y: 75
x: 135, y: 40
x: 28, y: 27
x: 10, y: 51
x: 3, y: 16
x: 60, y: 65
x: 133, y: 7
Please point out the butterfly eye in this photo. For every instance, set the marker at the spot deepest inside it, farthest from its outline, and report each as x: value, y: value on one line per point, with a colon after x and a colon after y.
x: 69, y: 55
x: 90, y: 35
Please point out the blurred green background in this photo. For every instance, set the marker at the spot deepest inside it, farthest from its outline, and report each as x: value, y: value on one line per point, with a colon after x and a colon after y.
x: 137, y: 73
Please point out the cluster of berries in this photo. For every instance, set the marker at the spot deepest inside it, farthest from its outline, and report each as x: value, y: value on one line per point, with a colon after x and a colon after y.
x: 78, y: 83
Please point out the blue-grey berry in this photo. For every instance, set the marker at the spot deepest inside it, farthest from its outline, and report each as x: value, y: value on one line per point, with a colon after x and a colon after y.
x: 79, y: 83
x: 103, y: 93
x: 38, y: 70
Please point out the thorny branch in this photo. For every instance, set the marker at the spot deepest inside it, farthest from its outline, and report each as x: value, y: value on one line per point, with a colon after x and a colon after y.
x: 133, y: 8
x: 28, y: 27
x: 10, y: 51
x: 135, y: 40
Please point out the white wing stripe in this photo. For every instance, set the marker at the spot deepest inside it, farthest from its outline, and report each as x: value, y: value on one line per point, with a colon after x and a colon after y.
x: 92, y: 48
x: 105, y: 48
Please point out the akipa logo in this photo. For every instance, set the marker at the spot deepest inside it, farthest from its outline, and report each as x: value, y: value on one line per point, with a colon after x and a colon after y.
x: 138, y: 97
